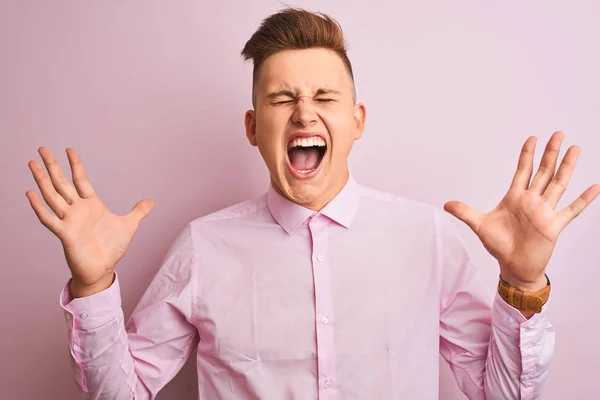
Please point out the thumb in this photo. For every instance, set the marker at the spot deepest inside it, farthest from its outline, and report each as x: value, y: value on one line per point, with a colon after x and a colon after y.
x: 466, y: 214
x: 140, y: 210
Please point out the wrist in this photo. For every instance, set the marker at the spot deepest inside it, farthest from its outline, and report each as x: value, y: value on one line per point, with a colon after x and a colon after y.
x: 81, y: 290
x: 525, y: 286
x: 529, y: 300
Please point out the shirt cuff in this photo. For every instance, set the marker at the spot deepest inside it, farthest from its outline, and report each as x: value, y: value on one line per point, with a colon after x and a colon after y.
x: 511, y: 321
x: 92, y: 311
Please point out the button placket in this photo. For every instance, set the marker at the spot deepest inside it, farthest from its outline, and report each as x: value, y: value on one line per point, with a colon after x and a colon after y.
x: 323, y: 303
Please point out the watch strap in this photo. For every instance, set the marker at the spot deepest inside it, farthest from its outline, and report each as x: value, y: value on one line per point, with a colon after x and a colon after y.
x: 524, y: 301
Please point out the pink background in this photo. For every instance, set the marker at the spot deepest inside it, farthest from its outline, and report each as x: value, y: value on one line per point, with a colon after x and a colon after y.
x: 152, y: 95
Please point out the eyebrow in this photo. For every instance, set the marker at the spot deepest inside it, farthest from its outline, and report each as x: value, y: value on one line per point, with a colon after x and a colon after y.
x: 288, y: 93
x: 327, y: 91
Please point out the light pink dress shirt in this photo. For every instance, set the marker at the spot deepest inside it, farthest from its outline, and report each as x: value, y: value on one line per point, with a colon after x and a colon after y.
x: 354, y: 302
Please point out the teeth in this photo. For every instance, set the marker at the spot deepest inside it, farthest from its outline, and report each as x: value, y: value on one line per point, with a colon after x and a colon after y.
x: 305, y: 171
x: 307, y: 142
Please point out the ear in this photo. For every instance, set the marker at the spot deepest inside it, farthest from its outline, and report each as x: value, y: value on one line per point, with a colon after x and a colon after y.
x: 250, y: 122
x: 360, y: 118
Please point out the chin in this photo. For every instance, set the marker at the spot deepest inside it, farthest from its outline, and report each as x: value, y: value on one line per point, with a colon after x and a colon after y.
x: 305, y: 193
x: 310, y: 193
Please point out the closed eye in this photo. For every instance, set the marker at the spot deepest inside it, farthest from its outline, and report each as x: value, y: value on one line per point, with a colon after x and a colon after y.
x: 323, y: 101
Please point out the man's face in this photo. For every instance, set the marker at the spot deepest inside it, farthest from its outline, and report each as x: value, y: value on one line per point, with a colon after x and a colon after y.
x: 305, y: 123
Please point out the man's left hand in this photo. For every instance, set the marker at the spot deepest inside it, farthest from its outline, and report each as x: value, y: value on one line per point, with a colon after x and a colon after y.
x: 522, y: 230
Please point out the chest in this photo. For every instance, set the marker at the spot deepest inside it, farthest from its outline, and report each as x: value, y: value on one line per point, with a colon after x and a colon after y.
x: 266, y: 300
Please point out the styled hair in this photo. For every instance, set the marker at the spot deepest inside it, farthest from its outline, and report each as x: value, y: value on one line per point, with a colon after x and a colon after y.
x: 294, y: 29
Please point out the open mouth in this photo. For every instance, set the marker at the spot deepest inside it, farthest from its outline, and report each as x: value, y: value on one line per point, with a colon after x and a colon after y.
x: 305, y: 154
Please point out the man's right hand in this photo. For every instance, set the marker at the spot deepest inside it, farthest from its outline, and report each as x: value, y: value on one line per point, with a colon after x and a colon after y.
x: 93, y: 238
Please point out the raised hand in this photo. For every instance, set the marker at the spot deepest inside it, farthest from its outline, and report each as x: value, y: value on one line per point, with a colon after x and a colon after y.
x: 93, y: 238
x: 521, y: 232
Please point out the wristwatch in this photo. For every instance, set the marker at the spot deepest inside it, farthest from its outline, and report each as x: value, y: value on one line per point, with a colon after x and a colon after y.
x: 524, y: 301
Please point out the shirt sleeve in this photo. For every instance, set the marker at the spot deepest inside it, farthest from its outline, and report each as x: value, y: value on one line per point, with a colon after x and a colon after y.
x: 117, y: 360
x: 493, y: 351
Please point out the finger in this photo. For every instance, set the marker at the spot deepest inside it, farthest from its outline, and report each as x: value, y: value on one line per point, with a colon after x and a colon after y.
x: 525, y: 165
x: 55, y: 201
x: 82, y: 183
x: 139, y: 211
x: 570, y: 212
x: 548, y: 164
x: 466, y: 214
x: 58, y: 178
x: 559, y: 183
x: 49, y: 220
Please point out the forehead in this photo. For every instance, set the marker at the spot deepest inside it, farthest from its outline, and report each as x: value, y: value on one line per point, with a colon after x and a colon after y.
x: 306, y: 69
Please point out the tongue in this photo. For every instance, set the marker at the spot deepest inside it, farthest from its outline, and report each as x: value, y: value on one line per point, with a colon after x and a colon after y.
x: 304, y: 158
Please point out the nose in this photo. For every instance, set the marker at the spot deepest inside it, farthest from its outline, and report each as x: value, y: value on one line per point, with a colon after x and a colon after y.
x: 304, y: 113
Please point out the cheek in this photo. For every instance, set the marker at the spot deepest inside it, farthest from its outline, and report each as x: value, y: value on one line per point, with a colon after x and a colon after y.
x: 338, y: 118
x: 341, y: 128
x: 269, y: 131
x: 273, y: 118
x: 271, y: 126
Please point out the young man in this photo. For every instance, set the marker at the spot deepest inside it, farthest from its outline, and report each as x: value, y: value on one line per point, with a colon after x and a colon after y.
x: 320, y: 288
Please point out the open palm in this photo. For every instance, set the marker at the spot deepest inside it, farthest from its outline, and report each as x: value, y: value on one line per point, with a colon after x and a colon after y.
x: 522, y: 230
x: 93, y: 238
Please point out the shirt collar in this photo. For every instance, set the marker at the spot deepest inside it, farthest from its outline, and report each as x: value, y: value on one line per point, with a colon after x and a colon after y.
x: 290, y: 215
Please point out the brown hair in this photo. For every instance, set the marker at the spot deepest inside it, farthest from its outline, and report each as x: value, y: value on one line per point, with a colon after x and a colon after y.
x: 294, y: 29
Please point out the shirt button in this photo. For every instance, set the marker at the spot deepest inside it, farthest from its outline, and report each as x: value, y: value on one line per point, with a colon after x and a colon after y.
x: 327, y: 383
x: 324, y: 320
x: 320, y: 257
x: 83, y: 315
x: 511, y: 320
